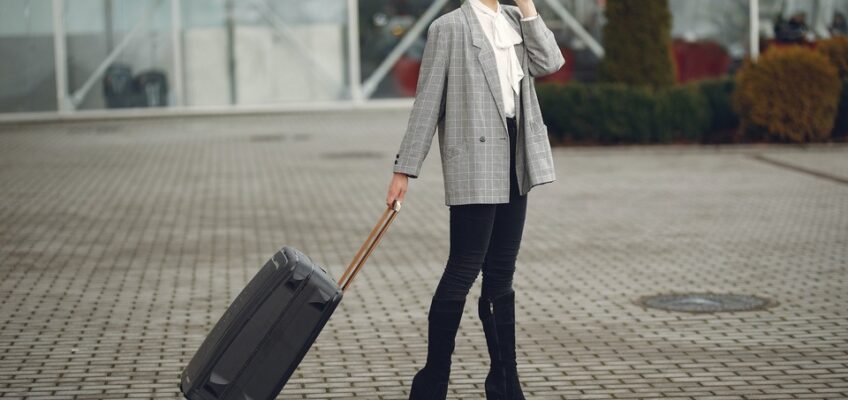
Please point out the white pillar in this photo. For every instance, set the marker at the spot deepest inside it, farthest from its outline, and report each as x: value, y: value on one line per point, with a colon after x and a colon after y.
x: 754, y: 38
x: 60, y: 57
x: 178, y: 87
x: 353, y: 59
x: 821, y: 18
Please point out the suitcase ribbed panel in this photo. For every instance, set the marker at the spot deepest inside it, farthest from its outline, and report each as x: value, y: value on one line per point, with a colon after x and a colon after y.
x: 266, y: 330
x: 221, y: 334
x: 291, y: 339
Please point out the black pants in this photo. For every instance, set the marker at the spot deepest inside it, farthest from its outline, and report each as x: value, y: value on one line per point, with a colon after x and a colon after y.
x: 487, y: 237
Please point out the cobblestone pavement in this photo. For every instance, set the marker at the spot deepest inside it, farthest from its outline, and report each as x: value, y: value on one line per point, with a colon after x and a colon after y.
x: 124, y: 241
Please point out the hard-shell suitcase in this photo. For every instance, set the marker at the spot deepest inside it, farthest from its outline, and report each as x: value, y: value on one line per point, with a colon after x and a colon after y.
x: 258, y: 343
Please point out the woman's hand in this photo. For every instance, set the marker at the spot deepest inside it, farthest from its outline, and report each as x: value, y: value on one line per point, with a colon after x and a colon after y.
x: 397, y: 188
x: 527, y: 8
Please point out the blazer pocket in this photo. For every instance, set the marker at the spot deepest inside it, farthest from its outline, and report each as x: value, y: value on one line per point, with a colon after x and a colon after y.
x: 452, y: 152
x: 539, y: 131
x: 537, y: 125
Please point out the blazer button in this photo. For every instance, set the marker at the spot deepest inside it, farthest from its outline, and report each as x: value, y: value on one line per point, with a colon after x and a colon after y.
x: 482, y: 138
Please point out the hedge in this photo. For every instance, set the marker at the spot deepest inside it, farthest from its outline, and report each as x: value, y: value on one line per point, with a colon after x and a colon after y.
x: 697, y: 112
x: 840, y: 127
x: 613, y: 113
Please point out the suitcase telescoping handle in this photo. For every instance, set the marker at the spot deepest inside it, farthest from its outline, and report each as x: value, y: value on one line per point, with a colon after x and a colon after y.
x: 369, y: 245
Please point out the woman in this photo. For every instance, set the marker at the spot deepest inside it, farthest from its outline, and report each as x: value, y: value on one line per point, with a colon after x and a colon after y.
x: 475, y: 85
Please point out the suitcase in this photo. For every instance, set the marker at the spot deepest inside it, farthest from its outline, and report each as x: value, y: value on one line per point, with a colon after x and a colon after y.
x: 259, y: 341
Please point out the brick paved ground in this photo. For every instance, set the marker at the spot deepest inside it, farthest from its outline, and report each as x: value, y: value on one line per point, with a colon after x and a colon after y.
x: 123, y: 242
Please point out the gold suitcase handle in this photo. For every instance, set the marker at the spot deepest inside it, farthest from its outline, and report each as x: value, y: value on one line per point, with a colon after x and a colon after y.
x: 369, y: 245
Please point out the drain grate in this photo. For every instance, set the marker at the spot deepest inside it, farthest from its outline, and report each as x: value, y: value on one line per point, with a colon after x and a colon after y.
x: 706, y: 302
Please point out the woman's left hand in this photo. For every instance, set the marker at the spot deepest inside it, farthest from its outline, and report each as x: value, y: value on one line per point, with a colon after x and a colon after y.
x: 527, y: 7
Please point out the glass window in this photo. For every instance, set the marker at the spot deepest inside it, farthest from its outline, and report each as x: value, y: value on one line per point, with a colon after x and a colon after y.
x: 27, y: 72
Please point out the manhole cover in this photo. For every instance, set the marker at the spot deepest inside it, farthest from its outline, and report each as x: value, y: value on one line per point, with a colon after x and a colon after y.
x: 352, y: 154
x: 705, y: 302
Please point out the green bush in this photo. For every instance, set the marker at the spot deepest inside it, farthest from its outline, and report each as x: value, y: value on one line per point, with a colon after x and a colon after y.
x: 611, y: 113
x: 554, y: 98
x: 681, y: 114
x: 724, y: 120
x: 602, y: 113
x: 840, y: 127
x: 622, y: 114
x: 699, y: 111
x: 637, y: 43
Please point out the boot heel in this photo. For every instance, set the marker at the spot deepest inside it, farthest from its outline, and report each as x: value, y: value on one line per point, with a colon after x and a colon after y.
x: 425, y: 388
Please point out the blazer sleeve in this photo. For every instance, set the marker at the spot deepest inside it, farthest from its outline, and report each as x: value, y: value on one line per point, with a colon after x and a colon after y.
x: 543, y: 53
x: 428, y: 107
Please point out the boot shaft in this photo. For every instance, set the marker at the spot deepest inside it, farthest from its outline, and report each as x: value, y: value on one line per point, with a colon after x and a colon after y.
x: 498, y: 318
x: 443, y: 323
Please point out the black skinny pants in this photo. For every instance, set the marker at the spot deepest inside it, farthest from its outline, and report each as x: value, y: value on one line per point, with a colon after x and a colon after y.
x: 487, y: 237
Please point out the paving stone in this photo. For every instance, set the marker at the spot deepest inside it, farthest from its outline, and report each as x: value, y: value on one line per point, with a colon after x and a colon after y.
x: 123, y: 241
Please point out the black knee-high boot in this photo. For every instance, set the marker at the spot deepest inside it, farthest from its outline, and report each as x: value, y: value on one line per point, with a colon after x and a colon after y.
x: 498, y: 318
x: 431, y: 382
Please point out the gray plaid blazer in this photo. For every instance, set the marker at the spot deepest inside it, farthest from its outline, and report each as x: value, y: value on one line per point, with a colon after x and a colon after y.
x: 458, y: 91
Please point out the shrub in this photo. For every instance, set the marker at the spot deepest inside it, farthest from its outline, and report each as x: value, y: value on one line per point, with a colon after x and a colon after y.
x: 791, y: 92
x: 723, y: 119
x: 622, y: 114
x: 836, y: 50
x: 718, y: 94
x: 553, y: 99
x: 840, y: 127
x: 597, y: 113
x: 637, y: 42
x: 612, y: 113
x: 681, y: 113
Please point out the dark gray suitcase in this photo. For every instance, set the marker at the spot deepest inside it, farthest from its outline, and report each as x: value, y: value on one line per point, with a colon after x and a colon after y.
x: 258, y: 343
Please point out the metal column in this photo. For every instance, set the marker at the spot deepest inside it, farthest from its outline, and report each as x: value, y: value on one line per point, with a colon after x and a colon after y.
x: 177, y: 46
x: 60, y: 57
x: 754, y: 33
x: 354, y: 60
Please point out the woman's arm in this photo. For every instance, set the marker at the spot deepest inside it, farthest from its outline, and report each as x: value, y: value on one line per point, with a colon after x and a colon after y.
x: 428, y: 107
x: 543, y: 51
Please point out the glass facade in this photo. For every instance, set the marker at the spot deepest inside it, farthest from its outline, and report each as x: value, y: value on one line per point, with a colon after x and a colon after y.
x: 27, y: 62
x: 119, y: 54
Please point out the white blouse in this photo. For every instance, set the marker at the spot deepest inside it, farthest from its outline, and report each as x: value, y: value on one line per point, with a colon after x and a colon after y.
x: 502, y: 36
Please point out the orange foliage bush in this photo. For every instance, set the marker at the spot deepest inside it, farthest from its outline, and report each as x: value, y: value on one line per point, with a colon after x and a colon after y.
x: 836, y: 49
x: 792, y: 92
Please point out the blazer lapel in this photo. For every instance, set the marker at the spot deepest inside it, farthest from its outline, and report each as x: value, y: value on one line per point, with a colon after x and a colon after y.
x: 486, y: 56
x: 519, y: 48
x: 521, y: 53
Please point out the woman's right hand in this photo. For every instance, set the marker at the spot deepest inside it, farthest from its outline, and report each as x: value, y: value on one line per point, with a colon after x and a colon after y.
x: 397, y: 188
